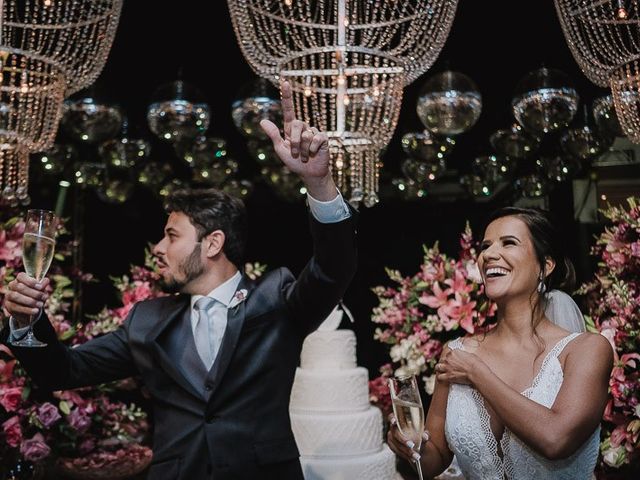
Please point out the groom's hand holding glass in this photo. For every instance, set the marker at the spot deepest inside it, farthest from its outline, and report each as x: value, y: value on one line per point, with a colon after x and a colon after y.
x: 25, y: 298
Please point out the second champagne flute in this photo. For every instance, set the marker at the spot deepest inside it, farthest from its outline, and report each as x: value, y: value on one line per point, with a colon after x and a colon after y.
x: 407, y: 407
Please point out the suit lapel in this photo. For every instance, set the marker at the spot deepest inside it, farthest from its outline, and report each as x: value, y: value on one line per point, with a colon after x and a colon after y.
x: 171, y: 314
x: 235, y: 321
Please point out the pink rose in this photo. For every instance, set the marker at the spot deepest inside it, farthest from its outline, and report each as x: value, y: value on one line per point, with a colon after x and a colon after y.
x: 35, y: 449
x: 87, y: 446
x: 6, y: 370
x: 12, y: 431
x: 48, y: 414
x: 10, y: 398
x: 79, y: 420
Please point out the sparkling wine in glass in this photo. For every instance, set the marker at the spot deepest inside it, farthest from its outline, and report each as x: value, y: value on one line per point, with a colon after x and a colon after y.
x: 38, y: 245
x: 407, y: 407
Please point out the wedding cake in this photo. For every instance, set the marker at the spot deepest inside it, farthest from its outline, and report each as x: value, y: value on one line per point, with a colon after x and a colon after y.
x: 338, y: 432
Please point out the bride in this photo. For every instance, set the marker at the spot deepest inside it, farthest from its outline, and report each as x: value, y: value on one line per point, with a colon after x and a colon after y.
x: 523, y: 401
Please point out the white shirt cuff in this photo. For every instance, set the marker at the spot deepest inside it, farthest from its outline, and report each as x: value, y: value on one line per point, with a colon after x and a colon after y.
x: 331, y: 211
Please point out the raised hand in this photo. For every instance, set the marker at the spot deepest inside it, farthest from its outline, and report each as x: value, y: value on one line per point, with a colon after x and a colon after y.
x: 304, y: 149
x: 25, y: 297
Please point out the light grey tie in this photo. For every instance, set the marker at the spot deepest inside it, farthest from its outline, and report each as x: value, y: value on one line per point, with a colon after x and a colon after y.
x: 202, y: 332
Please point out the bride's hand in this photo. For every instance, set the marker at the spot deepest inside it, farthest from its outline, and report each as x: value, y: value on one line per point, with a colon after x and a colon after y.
x: 400, y: 444
x: 458, y: 366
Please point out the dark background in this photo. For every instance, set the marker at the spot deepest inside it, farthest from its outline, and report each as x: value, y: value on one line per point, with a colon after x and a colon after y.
x: 494, y: 43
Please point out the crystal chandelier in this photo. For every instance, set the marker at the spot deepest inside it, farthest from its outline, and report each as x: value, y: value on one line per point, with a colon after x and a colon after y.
x: 355, y: 97
x: 77, y: 34
x: 625, y: 89
x: 347, y: 61
x: 601, y: 34
x: 412, y: 31
x: 31, y: 93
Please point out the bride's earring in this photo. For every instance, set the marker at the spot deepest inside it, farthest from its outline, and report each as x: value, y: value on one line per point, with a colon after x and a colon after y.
x: 541, y: 285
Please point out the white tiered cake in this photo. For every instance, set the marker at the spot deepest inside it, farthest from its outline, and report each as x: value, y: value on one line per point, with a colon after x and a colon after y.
x: 338, y: 432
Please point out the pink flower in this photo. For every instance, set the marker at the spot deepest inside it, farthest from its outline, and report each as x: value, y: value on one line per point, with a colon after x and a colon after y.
x: 35, y: 449
x: 10, y: 398
x: 459, y: 283
x: 79, y: 420
x: 87, y: 445
x: 48, y: 414
x: 12, y: 431
x: 6, y: 370
x: 437, y: 300
x: 461, y: 310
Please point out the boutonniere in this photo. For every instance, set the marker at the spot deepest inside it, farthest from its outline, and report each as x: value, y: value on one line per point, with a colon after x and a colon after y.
x: 239, y: 297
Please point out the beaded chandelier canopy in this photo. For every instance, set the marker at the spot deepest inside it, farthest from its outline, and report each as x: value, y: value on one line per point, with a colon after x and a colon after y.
x: 347, y: 61
x: 77, y: 34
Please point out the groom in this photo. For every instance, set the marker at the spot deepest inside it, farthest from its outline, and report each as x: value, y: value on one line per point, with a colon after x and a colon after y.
x: 219, y: 357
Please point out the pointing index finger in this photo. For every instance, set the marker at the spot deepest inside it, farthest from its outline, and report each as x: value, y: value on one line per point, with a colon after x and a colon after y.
x: 287, y: 107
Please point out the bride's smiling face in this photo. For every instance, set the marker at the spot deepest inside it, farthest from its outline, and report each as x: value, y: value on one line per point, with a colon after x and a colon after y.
x: 508, y: 262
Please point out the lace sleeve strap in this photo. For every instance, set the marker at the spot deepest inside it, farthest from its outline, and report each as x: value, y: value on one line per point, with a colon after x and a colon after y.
x: 456, y: 344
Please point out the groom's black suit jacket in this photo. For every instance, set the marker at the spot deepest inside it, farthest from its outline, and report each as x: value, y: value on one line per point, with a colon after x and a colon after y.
x: 233, y: 421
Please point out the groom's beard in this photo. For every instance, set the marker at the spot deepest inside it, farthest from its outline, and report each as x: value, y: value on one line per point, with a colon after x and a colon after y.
x: 190, y: 268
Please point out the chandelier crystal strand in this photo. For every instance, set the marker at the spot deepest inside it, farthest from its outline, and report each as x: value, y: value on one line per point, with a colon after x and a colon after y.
x: 77, y: 34
x: 625, y: 89
x: 355, y: 96
x: 602, y: 34
x: 413, y: 31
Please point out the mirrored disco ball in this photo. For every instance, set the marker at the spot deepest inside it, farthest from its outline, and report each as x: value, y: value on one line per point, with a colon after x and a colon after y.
x: 124, y: 152
x: 238, y: 188
x: 493, y: 168
x: 171, y: 186
x: 55, y: 159
x: 202, y: 151
x: 214, y: 172
x: 178, y: 112
x: 533, y: 186
x: 87, y: 121
x: 477, y: 185
x: 284, y: 183
x: 449, y: 104
x: 582, y: 143
x: 115, y: 191
x: 256, y: 101
x: 560, y: 169
x: 90, y: 174
x: 176, y: 120
x: 263, y: 153
x: 514, y: 142
x: 423, y: 172
x: 407, y: 189
x: 606, y: 119
x: 545, y: 101
x: 154, y: 175
x: 426, y: 146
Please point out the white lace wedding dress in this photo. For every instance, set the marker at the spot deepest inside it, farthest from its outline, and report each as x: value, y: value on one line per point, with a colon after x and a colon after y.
x: 471, y: 439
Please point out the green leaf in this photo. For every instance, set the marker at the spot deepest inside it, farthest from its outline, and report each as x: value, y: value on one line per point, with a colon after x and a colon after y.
x: 64, y: 407
x: 25, y: 392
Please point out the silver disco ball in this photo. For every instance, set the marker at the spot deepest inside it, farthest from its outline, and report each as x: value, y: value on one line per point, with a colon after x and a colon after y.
x: 284, y: 183
x: 263, y: 153
x: 154, y: 175
x: 124, y: 152
x: 426, y: 146
x: 606, y: 119
x: 89, y: 174
x: 202, y: 151
x: 214, y: 172
x: 115, y: 191
x: 582, y: 143
x: 171, y: 186
x: 256, y: 101
x: 421, y: 171
x: 178, y: 112
x: 493, y: 168
x: 560, y: 169
x: 87, y: 121
x: 449, y: 104
x: 238, y: 188
x: 55, y: 159
x: 545, y: 101
x: 407, y: 189
x: 533, y: 186
x: 477, y: 185
x: 514, y: 142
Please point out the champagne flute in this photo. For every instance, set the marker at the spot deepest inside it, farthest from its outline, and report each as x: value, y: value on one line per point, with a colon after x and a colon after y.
x: 407, y: 407
x: 38, y: 245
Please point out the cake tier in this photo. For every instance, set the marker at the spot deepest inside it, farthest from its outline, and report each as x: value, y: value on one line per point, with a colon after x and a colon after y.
x: 329, y: 350
x: 327, y: 391
x: 377, y: 466
x: 344, y: 434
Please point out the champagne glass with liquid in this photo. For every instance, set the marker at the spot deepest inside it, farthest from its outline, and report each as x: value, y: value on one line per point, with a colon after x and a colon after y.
x: 38, y: 245
x: 407, y: 407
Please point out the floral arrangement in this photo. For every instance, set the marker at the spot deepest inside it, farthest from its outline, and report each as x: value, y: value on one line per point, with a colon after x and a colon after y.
x: 91, y: 424
x: 443, y: 300
x: 613, y: 302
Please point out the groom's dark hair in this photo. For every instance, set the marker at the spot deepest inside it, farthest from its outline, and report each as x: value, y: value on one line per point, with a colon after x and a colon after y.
x: 210, y: 209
